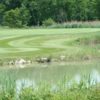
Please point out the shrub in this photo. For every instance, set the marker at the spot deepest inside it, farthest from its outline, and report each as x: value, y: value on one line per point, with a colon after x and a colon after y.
x: 48, y: 22
x: 18, y: 17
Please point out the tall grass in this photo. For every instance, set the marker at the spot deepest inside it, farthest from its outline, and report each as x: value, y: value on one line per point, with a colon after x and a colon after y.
x: 71, y: 24
x: 75, y: 24
x: 46, y: 91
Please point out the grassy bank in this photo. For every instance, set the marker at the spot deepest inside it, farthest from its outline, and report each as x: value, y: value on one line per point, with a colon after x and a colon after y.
x: 75, y: 44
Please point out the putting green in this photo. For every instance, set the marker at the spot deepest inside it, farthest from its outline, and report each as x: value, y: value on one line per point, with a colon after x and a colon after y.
x: 47, y: 42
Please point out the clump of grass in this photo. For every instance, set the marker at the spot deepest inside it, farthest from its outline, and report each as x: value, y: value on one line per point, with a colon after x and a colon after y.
x: 95, y: 94
x: 7, y: 95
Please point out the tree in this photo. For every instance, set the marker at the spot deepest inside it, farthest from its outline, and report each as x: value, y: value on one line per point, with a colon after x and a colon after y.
x: 17, y: 17
x: 98, y: 8
x: 61, y: 10
x: 12, y: 4
x: 78, y: 10
x: 35, y: 12
x: 25, y: 15
x: 91, y: 9
x: 2, y: 10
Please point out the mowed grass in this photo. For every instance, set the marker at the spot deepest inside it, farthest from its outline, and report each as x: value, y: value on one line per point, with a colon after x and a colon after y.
x: 75, y: 44
x: 31, y: 43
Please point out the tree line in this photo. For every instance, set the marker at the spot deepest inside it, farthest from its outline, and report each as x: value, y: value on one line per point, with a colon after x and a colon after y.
x: 18, y: 13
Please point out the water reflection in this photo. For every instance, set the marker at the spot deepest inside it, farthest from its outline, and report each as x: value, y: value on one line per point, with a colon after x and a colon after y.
x: 89, y: 80
x: 24, y: 83
x: 95, y: 76
x: 77, y: 78
x: 92, y: 79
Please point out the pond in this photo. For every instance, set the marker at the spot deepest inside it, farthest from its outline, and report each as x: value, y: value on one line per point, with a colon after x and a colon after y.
x: 34, y: 74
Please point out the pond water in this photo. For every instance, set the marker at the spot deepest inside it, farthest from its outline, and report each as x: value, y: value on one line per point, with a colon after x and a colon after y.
x: 34, y: 74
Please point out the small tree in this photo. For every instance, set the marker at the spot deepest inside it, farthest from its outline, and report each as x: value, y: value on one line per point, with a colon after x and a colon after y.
x: 16, y: 18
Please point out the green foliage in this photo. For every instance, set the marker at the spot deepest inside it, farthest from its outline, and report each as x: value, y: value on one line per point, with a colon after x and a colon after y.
x: 77, y: 93
x: 95, y: 94
x: 17, y: 17
x: 34, y: 12
x: 28, y: 94
x: 98, y: 8
x: 2, y: 10
x: 48, y: 22
x: 12, y: 18
x: 7, y: 95
x: 70, y: 94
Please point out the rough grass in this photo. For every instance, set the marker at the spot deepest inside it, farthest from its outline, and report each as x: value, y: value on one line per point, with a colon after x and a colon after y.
x: 76, y: 24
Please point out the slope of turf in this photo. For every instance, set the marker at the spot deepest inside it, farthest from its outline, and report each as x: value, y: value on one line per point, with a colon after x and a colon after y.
x: 50, y: 42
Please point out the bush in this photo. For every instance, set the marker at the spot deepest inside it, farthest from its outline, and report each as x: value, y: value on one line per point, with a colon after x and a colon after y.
x: 18, y: 17
x: 48, y: 22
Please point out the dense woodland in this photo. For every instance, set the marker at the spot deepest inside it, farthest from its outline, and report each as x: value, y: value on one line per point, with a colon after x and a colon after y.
x: 18, y: 13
